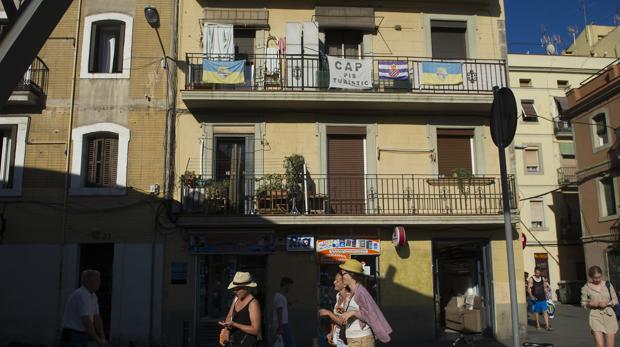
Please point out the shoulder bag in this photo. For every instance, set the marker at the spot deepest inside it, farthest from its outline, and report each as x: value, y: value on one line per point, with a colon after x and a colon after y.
x: 615, y: 307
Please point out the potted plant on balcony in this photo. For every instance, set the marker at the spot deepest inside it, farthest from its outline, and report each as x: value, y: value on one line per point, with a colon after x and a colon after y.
x: 295, y: 166
x: 270, y: 192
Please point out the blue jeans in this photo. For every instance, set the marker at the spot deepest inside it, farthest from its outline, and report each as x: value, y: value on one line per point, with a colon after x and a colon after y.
x: 287, y: 335
x: 72, y: 338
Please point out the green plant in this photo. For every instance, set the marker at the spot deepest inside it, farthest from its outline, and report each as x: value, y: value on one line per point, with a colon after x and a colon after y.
x: 462, y: 174
x: 294, y: 165
x: 188, y: 178
x: 270, y: 182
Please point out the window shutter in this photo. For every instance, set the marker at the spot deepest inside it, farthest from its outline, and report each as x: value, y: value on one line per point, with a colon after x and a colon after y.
x: 453, y: 152
x: 536, y: 211
x: 110, y: 160
x: 528, y: 108
x: 94, y: 156
x: 531, y: 157
x: 92, y: 55
x: 102, y: 161
x: 120, y: 45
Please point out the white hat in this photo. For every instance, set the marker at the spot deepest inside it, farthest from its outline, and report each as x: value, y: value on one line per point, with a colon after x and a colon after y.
x: 242, y: 279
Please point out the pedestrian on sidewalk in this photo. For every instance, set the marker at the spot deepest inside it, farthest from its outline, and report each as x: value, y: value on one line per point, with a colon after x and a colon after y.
x: 600, y: 297
x: 538, y: 287
x: 243, y: 322
x: 280, y: 313
x: 81, y: 321
x: 362, y: 318
x: 342, y: 300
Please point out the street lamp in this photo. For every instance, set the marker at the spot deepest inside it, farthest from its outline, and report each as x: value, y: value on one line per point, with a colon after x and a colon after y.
x: 152, y: 17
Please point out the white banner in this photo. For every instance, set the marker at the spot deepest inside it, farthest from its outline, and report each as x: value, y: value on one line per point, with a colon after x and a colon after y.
x: 350, y: 73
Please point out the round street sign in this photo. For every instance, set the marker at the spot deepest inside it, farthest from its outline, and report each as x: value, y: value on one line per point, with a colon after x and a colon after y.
x: 503, y: 117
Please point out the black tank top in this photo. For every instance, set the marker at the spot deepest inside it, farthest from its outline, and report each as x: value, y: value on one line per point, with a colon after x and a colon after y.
x: 538, y: 289
x: 238, y: 337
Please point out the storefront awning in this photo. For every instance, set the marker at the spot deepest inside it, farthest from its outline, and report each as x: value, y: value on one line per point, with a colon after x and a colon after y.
x: 337, y: 17
x: 248, y: 18
x: 567, y: 148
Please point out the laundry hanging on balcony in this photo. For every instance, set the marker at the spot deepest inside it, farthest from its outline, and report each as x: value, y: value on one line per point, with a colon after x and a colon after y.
x: 437, y: 73
x: 218, y: 41
x: 223, y: 72
x: 397, y: 70
x: 350, y: 73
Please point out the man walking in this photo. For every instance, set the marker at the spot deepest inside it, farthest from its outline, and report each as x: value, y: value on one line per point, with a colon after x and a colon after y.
x: 537, y: 288
x: 81, y: 321
x: 280, y: 314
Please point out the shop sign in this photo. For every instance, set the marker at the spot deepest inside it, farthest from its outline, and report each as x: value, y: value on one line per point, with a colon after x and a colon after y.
x: 299, y: 243
x: 246, y: 243
x: 399, y: 237
x: 333, y: 258
x: 349, y: 246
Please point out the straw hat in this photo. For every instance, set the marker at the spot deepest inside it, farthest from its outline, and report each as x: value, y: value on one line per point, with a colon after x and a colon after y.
x: 353, y: 265
x: 242, y: 279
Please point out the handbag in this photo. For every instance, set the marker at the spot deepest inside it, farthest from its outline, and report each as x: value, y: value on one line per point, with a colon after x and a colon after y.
x: 615, y: 307
x: 224, y: 337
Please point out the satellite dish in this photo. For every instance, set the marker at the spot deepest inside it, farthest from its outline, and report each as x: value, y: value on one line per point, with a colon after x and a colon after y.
x: 550, y: 48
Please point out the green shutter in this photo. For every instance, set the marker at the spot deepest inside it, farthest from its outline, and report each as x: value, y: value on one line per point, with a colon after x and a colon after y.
x: 567, y: 148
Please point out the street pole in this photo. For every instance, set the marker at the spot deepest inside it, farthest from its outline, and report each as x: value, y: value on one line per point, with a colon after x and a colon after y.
x: 508, y: 232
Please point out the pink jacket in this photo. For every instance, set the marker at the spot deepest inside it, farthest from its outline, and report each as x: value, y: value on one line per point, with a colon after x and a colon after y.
x: 370, y: 314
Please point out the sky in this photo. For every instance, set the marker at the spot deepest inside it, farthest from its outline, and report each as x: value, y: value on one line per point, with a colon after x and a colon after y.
x: 527, y: 19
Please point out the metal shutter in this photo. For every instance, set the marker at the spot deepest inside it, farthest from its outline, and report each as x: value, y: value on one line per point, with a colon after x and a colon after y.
x: 453, y: 151
x: 346, y: 174
x: 448, y: 39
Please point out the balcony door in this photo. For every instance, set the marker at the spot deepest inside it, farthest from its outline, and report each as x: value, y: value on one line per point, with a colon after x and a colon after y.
x: 346, y: 169
x: 455, y: 148
x: 234, y: 163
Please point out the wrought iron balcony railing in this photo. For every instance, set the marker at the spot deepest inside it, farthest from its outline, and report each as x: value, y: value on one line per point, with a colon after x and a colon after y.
x: 563, y: 128
x: 311, y: 73
x: 345, y: 195
x: 567, y: 176
x: 35, y: 79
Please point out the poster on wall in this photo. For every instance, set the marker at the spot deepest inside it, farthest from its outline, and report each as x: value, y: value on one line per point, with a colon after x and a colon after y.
x: 299, y: 243
x: 246, y: 243
x: 541, y: 260
x: 350, y: 73
x: 349, y: 246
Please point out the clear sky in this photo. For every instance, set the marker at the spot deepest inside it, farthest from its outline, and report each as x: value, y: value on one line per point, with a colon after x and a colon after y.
x: 527, y: 19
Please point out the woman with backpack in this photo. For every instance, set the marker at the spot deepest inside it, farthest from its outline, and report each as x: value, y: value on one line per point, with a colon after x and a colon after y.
x: 600, y: 298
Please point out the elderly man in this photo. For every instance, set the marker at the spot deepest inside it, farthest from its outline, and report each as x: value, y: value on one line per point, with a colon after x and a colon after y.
x: 81, y: 321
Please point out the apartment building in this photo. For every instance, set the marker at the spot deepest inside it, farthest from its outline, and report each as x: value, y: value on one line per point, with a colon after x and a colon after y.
x: 596, y: 41
x: 82, y: 172
x: 545, y: 164
x: 312, y: 133
x: 594, y: 113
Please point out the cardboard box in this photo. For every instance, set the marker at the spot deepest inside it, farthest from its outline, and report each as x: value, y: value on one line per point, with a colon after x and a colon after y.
x: 463, y: 314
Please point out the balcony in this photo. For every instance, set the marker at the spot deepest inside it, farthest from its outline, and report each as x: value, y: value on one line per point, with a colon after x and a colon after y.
x: 562, y: 128
x: 31, y: 90
x: 286, y: 81
x: 317, y: 197
x: 567, y: 176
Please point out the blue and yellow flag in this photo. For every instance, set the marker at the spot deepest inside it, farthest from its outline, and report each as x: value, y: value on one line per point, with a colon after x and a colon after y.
x: 435, y: 73
x: 223, y: 72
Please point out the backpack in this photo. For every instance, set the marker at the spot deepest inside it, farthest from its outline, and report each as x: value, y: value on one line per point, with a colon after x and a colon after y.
x: 615, y: 307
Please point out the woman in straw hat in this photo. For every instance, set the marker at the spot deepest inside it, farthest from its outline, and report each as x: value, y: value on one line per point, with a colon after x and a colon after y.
x: 362, y: 322
x: 243, y: 322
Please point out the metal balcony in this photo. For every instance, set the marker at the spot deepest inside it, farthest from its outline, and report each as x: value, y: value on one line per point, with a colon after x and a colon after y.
x: 567, y: 176
x: 31, y: 90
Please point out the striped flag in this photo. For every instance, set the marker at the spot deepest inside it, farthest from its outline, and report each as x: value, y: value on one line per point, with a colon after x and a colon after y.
x: 393, y: 70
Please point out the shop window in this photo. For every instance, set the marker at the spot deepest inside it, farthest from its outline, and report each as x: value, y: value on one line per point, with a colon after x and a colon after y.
x: 532, y: 160
x: 455, y: 151
x: 600, y: 131
x: 344, y: 43
x: 537, y: 215
x: 607, y: 197
x: 448, y: 39
x: 102, y: 156
x: 525, y: 82
x: 106, y: 51
x: 529, y: 111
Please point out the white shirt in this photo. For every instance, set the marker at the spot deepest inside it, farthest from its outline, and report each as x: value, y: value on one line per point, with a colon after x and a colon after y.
x: 81, y: 303
x: 279, y: 301
x: 354, y: 329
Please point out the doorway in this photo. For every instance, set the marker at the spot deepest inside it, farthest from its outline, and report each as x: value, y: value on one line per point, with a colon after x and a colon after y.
x: 463, y: 274
x: 100, y: 257
x: 233, y: 169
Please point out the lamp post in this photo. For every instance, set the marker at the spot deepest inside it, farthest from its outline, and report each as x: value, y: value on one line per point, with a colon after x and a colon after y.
x: 152, y: 17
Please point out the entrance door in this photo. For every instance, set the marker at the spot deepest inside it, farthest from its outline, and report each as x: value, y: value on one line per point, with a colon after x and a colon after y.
x: 234, y: 163
x: 462, y: 273
x: 345, y: 169
x: 214, y: 299
x: 100, y: 257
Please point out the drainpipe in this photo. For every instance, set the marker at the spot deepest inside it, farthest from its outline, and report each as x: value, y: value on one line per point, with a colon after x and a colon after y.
x: 65, y: 216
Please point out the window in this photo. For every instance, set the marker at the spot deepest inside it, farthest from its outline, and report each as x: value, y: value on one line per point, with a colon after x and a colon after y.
x: 448, y: 39
x: 532, y: 160
x: 106, y: 51
x: 537, y: 214
x: 8, y: 135
x: 102, y: 160
x: 344, y: 43
x: 601, y: 135
x: 562, y: 84
x: 529, y: 111
x: 99, y: 159
x: 525, y: 82
x: 607, y: 192
x: 455, y: 150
